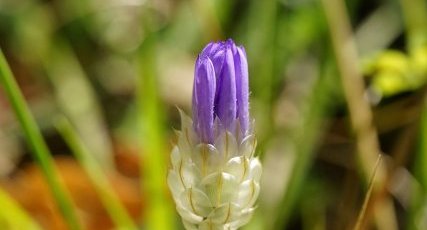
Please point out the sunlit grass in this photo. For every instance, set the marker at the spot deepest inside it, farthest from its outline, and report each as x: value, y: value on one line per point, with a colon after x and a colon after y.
x: 13, y: 216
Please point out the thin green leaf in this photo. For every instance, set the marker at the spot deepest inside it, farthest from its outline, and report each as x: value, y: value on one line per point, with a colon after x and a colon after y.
x: 39, y: 148
x: 102, y: 186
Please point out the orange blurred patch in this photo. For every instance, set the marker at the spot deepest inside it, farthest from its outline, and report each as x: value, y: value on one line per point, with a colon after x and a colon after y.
x: 30, y: 190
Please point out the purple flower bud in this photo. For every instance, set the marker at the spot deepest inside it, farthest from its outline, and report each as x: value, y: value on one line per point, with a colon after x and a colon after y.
x: 220, y: 89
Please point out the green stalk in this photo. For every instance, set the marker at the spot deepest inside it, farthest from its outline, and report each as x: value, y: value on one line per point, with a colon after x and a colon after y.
x: 39, y: 148
x: 103, y: 187
x: 153, y: 157
x: 12, y: 216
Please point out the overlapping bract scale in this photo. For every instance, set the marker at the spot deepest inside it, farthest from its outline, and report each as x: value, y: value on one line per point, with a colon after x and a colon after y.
x: 215, y: 186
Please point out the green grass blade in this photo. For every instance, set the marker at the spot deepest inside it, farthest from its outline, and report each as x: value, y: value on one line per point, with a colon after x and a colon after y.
x: 153, y: 159
x: 12, y: 216
x: 103, y: 187
x: 39, y: 148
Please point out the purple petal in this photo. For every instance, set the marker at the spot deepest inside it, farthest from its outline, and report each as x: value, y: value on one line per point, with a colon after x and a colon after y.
x: 242, y: 88
x: 203, y: 98
x: 209, y: 48
x: 215, y: 51
x: 225, y: 104
x: 221, y: 89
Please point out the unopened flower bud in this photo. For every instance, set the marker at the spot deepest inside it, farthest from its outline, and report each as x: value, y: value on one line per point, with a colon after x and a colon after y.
x: 214, y: 177
x: 221, y: 67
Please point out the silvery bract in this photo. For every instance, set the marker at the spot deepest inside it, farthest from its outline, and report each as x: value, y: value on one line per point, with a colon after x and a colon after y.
x: 214, y: 177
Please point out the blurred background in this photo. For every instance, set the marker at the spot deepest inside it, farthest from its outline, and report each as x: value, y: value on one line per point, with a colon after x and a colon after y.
x: 334, y: 85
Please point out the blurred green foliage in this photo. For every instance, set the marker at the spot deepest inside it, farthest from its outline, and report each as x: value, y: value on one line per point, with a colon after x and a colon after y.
x: 118, y: 69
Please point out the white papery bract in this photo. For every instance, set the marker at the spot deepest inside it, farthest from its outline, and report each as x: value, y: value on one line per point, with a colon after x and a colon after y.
x: 215, y: 186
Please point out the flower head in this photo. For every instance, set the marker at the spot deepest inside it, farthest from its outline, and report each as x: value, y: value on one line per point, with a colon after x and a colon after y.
x: 220, y: 89
x: 214, y: 178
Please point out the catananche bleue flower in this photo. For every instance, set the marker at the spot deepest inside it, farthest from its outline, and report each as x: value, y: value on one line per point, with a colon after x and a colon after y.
x: 214, y: 178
